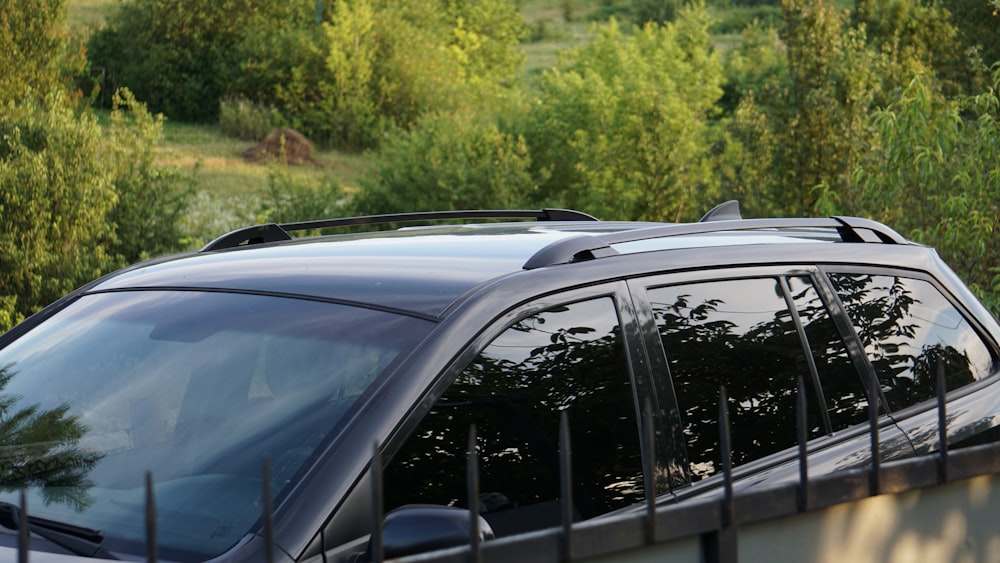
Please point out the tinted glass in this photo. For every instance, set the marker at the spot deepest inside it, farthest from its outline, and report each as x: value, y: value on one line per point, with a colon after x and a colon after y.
x: 842, y: 386
x: 907, y: 328
x: 738, y: 334
x: 194, y: 387
x: 565, y: 359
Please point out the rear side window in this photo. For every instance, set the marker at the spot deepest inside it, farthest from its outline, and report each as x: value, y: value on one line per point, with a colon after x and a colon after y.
x: 907, y: 327
x: 568, y: 358
x: 739, y: 334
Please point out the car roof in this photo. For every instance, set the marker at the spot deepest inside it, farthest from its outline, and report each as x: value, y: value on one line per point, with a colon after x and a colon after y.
x: 423, y: 270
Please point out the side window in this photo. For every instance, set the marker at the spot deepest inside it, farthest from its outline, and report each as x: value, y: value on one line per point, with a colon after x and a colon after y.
x: 567, y: 358
x: 843, y: 390
x: 907, y: 327
x: 739, y: 334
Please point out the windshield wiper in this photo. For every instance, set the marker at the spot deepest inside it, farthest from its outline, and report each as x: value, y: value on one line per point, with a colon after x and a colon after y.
x: 78, y: 540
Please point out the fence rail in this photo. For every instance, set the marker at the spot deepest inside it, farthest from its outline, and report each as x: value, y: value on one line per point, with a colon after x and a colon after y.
x: 704, y: 529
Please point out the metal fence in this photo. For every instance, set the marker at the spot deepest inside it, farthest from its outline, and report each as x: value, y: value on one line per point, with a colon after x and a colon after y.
x: 709, y: 528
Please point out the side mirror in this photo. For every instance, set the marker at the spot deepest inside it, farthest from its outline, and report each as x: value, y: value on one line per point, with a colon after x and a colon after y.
x: 418, y: 528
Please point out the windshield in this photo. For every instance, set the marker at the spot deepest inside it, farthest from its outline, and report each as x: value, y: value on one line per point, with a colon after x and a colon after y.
x: 194, y: 387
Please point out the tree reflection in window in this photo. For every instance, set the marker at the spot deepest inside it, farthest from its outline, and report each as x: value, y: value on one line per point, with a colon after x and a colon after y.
x: 738, y: 334
x: 843, y: 390
x: 38, y: 448
x: 907, y: 327
x: 567, y: 358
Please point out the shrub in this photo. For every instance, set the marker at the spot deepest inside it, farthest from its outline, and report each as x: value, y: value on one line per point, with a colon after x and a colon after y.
x: 735, y: 20
x: 291, y: 198
x: 622, y: 130
x: 246, y: 120
x: 449, y: 162
x: 55, y: 198
x: 77, y: 201
x: 179, y: 56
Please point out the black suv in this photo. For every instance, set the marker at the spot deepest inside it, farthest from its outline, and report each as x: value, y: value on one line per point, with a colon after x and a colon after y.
x: 315, y: 352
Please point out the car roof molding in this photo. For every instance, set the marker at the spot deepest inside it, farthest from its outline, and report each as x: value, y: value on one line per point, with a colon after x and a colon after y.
x: 575, y: 249
x: 272, y: 232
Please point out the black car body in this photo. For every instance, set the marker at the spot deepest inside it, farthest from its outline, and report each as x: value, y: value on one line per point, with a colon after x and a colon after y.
x: 315, y: 352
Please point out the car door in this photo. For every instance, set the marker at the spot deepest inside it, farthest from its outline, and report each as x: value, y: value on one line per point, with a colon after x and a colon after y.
x: 756, y: 332
x: 577, y: 353
x: 909, y: 327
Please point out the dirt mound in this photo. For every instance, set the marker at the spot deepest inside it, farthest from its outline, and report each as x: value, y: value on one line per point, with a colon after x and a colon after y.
x: 282, y: 145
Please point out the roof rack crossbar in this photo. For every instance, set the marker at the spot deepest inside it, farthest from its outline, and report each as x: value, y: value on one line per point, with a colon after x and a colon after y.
x: 850, y: 229
x: 273, y: 232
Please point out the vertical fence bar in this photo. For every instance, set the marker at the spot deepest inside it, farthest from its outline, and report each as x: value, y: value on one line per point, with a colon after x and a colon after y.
x: 801, y: 420
x: 267, y: 511
x: 566, y: 486
x: 151, y: 547
x: 725, y: 447
x: 875, y: 469
x: 23, y: 540
x: 720, y: 545
x: 378, y: 506
x: 472, y: 482
x: 649, y: 446
x: 942, y: 424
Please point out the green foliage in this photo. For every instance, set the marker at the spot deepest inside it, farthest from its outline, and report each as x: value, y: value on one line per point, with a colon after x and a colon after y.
x: 178, y: 56
x: 76, y: 202
x: 803, y: 132
x: 978, y: 31
x: 915, y: 38
x: 378, y: 64
x: 449, y: 162
x: 246, y: 120
x: 622, y: 130
x: 54, y: 200
x: 151, y: 199
x: 655, y: 11
x: 736, y: 19
x: 291, y: 199
x: 38, y: 58
x: 935, y: 176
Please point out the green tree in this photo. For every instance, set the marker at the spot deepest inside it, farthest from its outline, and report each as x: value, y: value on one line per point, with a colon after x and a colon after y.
x: 37, y: 57
x: 379, y: 64
x: 803, y: 132
x: 178, y: 56
x: 151, y: 199
x: 449, y: 162
x: 54, y: 201
x: 917, y: 38
x: 622, y: 129
x: 933, y: 173
x: 76, y: 201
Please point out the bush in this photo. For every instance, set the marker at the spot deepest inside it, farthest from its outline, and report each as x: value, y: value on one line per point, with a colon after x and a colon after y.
x: 449, y: 162
x: 291, y: 199
x: 179, y: 56
x: 622, y: 131
x: 379, y: 64
x: 78, y: 201
x: 246, y: 120
x: 735, y: 20
x: 151, y: 199
x: 55, y: 197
